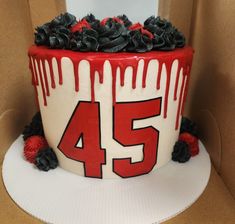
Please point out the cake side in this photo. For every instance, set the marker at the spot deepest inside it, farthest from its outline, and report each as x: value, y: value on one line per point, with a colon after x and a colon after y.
x: 128, y: 104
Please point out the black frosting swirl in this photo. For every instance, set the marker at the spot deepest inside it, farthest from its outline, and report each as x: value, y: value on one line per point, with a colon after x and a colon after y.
x: 166, y: 36
x: 34, y: 128
x: 90, y: 18
x: 66, y: 20
x: 60, y: 38
x: 46, y: 159
x: 86, y: 40
x: 139, y: 42
x: 42, y: 34
x: 113, y: 36
x: 56, y: 34
x: 188, y: 126
x: 109, y: 35
x: 125, y: 20
x: 181, y: 152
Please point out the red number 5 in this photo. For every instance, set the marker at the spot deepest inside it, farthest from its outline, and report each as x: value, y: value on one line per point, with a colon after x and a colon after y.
x: 124, y: 115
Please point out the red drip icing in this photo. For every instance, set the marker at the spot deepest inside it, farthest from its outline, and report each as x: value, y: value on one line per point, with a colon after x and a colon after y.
x: 180, y: 65
x: 188, y: 70
x: 45, y: 77
x: 168, y: 65
x: 95, y: 65
x: 122, y: 76
x: 159, y: 74
x: 117, y: 60
x: 114, y: 78
x: 145, y: 69
x: 51, y: 72
x: 32, y: 72
x: 58, y: 60
x: 41, y: 81
x: 76, y: 75
x: 35, y: 72
x: 180, y: 103
x: 134, y: 73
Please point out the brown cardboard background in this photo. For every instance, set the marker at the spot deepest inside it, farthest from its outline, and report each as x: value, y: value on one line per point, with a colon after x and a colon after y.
x: 211, y: 95
x: 210, y: 100
x: 17, y: 103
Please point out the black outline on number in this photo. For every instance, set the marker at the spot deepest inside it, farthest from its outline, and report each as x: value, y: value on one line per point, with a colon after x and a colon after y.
x: 132, y: 128
x: 99, y: 117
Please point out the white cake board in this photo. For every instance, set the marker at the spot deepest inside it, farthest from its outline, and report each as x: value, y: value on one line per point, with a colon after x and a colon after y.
x: 61, y: 197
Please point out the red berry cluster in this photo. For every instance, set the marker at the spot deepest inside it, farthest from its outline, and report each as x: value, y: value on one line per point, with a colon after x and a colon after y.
x: 32, y: 146
x: 192, y: 142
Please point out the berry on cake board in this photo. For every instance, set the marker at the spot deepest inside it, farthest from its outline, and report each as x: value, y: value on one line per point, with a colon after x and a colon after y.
x: 187, y: 143
x: 46, y: 159
x: 36, y: 149
x: 32, y: 145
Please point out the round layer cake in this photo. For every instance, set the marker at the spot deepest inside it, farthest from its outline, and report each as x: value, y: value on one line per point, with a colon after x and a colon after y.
x: 110, y: 115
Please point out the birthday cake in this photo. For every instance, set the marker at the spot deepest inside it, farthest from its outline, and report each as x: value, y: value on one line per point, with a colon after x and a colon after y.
x: 111, y: 96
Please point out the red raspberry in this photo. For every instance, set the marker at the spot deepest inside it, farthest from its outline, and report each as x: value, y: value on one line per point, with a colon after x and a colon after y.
x: 192, y: 141
x: 32, y: 145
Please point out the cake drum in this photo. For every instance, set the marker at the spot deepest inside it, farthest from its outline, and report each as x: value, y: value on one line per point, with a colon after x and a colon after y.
x: 61, y: 197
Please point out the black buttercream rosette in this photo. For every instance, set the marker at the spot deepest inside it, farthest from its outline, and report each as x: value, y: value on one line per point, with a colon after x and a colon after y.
x: 126, y: 21
x: 34, y: 128
x: 166, y: 36
x: 85, y: 40
x: 109, y: 35
x: 94, y: 23
x: 113, y: 35
x: 140, y: 40
x: 188, y: 126
x: 181, y: 152
x: 56, y: 34
x: 46, y: 159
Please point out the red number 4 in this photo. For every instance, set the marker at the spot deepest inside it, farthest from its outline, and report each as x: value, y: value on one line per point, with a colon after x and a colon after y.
x: 85, y: 125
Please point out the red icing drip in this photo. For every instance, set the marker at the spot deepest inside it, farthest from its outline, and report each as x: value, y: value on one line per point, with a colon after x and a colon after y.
x: 95, y: 65
x: 188, y: 70
x: 41, y: 81
x: 145, y: 69
x: 180, y: 64
x: 31, y: 69
x: 117, y: 60
x: 51, y: 72
x: 134, y: 73
x: 180, y: 103
x: 122, y: 76
x: 45, y: 77
x: 168, y: 65
x: 76, y: 75
x: 35, y: 72
x: 114, y: 77
x: 58, y: 59
x: 159, y: 74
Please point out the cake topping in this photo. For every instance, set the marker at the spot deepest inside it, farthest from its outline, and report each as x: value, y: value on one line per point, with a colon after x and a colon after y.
x: 192, y: 141
x: 34, y: 128
x: 188, y: 126
x: 46, y: 159
x: 166, y: 36
x: 181, y: 152
x: 32, y: 145
x: 109, y: 35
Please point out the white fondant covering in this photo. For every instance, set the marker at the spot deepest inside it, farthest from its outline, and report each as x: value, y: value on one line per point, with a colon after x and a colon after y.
x: 63, y: 100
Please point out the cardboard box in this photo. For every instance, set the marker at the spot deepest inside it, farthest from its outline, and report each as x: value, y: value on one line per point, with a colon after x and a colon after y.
x: 208, y: 25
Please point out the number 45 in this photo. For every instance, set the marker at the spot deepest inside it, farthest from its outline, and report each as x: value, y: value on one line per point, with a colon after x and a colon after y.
x: 85, y: 124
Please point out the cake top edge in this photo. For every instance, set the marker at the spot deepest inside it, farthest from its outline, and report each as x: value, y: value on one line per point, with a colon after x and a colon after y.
x: 41, y: 52
x: 110, y: 35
